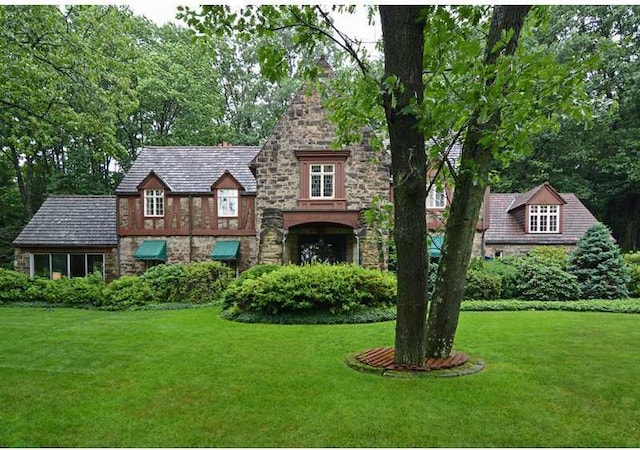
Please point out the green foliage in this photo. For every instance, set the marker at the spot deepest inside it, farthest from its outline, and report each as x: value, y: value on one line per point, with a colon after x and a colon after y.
x: 83, y: 292
x: 632, y: 263
x: 539, y: 280
x: 13, y: 286
x: 165, y: 281
x: 482, y: 285
x: 314, y: 287
x: 203, y: 282
x: 630, y: 306
x: 551, y: 254
x: 507, y: 270
x: 598, y: 266
x: 256, y: 272
x: 368, y: 315
x: 127, y: 291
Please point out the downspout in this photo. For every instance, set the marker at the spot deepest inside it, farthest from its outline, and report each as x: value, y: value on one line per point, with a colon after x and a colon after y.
x: 190, y: 228
x: 284, y: 248
x: 356, y: 260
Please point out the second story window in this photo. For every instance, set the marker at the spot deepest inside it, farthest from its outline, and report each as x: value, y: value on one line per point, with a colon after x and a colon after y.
x: 436, y: 198
x: 322, y: 180
x: 153, y: 203
x: 543, y: 218
x: 227, y: 203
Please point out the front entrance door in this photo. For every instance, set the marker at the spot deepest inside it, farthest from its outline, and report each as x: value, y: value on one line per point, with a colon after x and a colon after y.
x: 329, y: 249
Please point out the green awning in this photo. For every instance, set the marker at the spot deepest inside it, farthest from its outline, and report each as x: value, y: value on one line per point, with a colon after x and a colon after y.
x: 226, y: 250
x: 152, y: 251
x: 435, y: 245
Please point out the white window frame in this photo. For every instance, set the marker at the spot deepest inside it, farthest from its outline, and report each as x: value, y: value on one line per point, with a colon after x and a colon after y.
x: 437, y: 198
x: 228, y: 203
x: 544, y: 219
x: 323, y: 174
x: 154, y: 203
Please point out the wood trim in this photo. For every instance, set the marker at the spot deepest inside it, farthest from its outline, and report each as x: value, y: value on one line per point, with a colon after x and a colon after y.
x: 337, y: 155
x: 153, y: 181
x: 227, y: 181
x: 294, y: 218
x: 185, y: 232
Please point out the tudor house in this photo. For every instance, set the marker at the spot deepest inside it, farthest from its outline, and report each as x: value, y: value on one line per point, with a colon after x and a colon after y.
x: 293, y: 200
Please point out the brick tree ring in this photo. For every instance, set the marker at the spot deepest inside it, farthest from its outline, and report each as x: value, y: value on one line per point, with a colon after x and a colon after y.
x: 380, y: 360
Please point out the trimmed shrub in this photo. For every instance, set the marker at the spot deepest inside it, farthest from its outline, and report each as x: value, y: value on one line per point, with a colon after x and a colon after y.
x: 482, y: 285
x: 127, y: 291
x: 632, y: 263
x: 203, y: 282
x: 14, y: 286
x: 68, y: 291
x: 597, y: 264
x: 165, y: 281
x: 314, y: 287
x: 629, y: 306
x: 539, y: 280
x: 257, y: 271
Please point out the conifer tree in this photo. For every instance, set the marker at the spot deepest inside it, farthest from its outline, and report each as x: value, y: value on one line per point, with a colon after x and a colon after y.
x: 598, y: 265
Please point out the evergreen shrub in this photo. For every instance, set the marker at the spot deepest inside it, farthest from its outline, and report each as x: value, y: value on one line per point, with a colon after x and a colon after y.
x: 314, y: 287
x: 551, y: 254
x: 204, y: 282
x: 127, y: 291
x: 598, y: 265
x: 165, y: 281
x: 482, y: 285
x: 14, y: 286
x: 506, y: 268
x: 632, y: 262
x: 539, y: 280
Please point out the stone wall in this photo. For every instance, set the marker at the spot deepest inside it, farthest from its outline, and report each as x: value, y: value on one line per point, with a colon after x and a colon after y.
x: 23, y: 258
x: 304, y: 126
x: 181, y: 250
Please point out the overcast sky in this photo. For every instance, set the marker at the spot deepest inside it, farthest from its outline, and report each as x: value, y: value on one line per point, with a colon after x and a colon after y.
x: 161, y: 12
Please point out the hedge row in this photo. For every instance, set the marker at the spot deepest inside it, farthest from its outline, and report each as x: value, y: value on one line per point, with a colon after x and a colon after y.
x: 195, y: 283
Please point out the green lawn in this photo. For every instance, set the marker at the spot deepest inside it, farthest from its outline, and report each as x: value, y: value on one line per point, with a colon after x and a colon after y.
x: 187, y: 378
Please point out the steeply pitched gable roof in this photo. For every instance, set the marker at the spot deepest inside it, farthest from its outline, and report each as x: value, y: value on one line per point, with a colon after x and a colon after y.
x: 504, y: 228
x: 523, y: 199
x: 191, y: 169
x: 72, y: 221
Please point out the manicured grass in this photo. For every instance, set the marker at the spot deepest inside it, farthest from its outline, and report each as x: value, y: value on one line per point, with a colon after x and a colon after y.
x: 187, y: 378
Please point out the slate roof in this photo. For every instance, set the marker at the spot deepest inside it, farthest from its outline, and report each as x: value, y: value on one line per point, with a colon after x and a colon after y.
x: 505, y: 229
x: 72, y: 221
x: 191, y: 169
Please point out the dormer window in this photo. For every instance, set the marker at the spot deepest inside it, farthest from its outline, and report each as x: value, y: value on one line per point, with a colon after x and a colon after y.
x: 227, y: 203
x: 544, y: 218
x: 153, y: 202
x: 321, y: 180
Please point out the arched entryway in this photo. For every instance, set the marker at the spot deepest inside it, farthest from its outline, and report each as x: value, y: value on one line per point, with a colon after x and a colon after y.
x: 322, y: 242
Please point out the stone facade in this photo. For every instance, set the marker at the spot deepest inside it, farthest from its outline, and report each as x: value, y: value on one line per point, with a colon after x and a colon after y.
x: 280, y: 182
x: 181, y: 249
x: 501, y: 250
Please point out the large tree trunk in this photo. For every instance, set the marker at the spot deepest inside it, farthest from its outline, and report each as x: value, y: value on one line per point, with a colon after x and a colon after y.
x: 472, y: 180
x: 403, y: 48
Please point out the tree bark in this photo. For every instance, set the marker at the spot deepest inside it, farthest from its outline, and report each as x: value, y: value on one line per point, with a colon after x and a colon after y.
x: 476, y: 161
x: 403, y: 38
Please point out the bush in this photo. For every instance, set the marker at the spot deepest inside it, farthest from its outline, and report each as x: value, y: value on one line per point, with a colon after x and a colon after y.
x: 551, y: 254
x: 165, y: 282
x: 203, y: 282
x: 127, y: 291
x: 14, y: 286
x: 482, y: 285
x: 539, y: 280
x: 597, y: 264
x: 630, y: 306
x: 506, y: 268
x: 632, y: 263
x: 68, y: 291
x: 314, y: 287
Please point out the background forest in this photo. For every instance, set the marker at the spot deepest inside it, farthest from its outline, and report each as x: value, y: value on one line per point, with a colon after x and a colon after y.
x: 83, y: 89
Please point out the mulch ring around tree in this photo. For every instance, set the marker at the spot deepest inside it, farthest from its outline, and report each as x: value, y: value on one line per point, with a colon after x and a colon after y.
x: 380, y: 361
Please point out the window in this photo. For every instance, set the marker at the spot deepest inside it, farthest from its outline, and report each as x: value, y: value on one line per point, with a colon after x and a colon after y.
x: 543, y: 218
x: 321, y: 180
x: 227, y: 203
x: 436, y: 198
x: 153, y: 203
x: 58, y: 265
